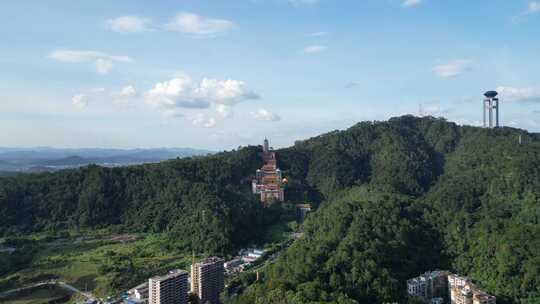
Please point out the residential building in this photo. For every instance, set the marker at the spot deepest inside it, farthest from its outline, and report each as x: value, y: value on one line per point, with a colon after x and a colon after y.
x: 417, y: 287
x: 457, y: 281
x: 480, y: 297
x: 207, y: 280
x: 463, y: 291
x: 429, y: 285
x: 432, y: 287
x: 169, y: 289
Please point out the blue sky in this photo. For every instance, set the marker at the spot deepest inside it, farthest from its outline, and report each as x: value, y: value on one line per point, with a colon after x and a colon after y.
x: 219, y: 74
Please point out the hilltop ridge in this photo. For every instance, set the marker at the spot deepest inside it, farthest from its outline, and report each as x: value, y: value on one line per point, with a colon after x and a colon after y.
x: 396, y: 198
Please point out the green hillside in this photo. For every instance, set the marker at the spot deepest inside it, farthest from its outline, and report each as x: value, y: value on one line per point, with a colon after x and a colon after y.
x: 395, y: 199
x: 407, y: 196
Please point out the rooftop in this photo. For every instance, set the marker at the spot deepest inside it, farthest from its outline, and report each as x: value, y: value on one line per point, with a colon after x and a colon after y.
x: 172, y: 274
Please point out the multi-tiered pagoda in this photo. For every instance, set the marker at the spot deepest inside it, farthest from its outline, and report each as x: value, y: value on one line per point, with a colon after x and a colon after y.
x: 268, y: 182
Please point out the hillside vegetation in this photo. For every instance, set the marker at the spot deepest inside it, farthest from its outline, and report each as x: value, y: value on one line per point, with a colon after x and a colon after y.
x: 396, y: 198
x: 197, y: 201
x: 406, y: 196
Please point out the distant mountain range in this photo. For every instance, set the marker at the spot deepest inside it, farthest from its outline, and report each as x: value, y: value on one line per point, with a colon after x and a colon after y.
x: 51, y: 159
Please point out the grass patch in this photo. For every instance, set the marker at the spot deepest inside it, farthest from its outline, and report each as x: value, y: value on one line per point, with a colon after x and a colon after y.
x: 39, y: 295
x: 97, y: 264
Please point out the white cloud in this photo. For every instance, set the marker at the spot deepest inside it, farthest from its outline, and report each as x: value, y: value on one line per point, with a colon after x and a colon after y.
x: 123, y: 98
x: 315, y: 49
x: 318, y: 34
x: 177, y: 92
x: 519, y: 94
x: 227, y: 92
x: 103, y: 61
x: 128, y: 24
x: 202, y: 120
x: 85, y: 56
x: 223, y: 110
x: 103, y: 66
x: 265, y: 115
x: 128, y: 91
x: 411, y: 3
x: 453, y: 68
x: 534, y: 7
x: 80, y: 100
x: 181, y: 92
x: 194, y: 24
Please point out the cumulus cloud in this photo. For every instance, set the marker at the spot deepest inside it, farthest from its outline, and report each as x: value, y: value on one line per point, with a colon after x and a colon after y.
x: 125, y: 97
x: 519, y: 94
x: 411, y: 3
x: 453, y: 68
x: 128, y: 91
x: 202, y: 120
x: 197, y: 25
x: 103, y: 61
x: 312, y: 49
x: 265, y: 115
x: 181, y: 92
x: 128, y: 24
x: 177, y: 92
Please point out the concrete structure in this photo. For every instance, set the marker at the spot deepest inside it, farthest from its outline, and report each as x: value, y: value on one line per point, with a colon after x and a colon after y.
x: 463, y: 291
x: 457, y: 281
x: 417, y: 287
x: 302, y: 211
x: 491, y: 102
x: 480, y: 297
x: 433, y: 287
x: 207, y: 280
x: 169, y: 289
x: 268, y: 182
x: 428, y: 286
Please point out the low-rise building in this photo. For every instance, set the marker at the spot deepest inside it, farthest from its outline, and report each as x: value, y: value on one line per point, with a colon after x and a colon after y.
x: 463, y: 291
x: 429, y: 285
x: 417, y: 287
x: 480, y: 297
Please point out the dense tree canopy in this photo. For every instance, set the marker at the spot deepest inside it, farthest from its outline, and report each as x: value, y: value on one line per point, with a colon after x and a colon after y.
x: 396, y: 198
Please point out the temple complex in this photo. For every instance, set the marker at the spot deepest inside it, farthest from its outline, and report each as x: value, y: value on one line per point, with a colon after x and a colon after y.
x: 268, y: 182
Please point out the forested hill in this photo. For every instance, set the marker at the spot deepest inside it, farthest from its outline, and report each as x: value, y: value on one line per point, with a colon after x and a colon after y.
x: 396, y: 198
x: 199, y: 200
x: 406, y: 196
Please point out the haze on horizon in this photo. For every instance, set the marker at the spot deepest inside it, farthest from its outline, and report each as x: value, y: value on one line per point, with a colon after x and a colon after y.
x: 218, y: 74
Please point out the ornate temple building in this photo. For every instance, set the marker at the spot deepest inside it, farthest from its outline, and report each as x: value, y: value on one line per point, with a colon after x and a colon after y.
x: 268, y: 182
